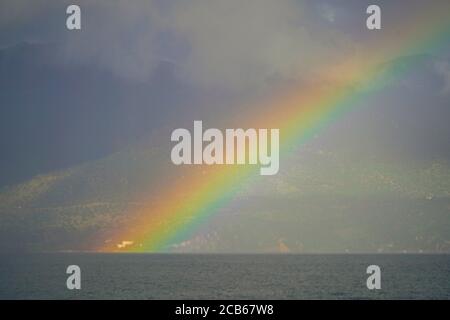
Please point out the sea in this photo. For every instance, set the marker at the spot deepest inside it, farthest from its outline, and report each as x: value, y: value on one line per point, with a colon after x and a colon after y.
x: 224, y: 276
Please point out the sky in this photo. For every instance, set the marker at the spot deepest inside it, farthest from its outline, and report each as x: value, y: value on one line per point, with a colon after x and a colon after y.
x: 139, y: 69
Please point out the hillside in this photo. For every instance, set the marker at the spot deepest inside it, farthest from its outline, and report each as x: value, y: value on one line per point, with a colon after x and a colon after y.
x: 318, y: 202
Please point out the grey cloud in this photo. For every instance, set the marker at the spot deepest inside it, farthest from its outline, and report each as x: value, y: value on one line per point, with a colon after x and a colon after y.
x: 119, y: 36
x: 229, y: 44
x: 442, y: 69
x: 244, y: 43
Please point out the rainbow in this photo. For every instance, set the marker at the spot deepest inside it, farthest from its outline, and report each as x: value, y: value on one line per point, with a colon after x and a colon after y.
x: 174, y: 213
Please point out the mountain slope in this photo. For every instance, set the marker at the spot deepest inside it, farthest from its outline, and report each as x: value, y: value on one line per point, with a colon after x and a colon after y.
x: 319, y: 202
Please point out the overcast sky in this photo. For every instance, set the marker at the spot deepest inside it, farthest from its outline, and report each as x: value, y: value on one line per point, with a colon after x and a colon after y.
x: 140, y: 65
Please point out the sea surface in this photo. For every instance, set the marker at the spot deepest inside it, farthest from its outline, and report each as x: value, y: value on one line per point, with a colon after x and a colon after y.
x: 191, y: 276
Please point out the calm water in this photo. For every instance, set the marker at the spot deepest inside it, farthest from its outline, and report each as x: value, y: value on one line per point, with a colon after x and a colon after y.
x: 155, y: 276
